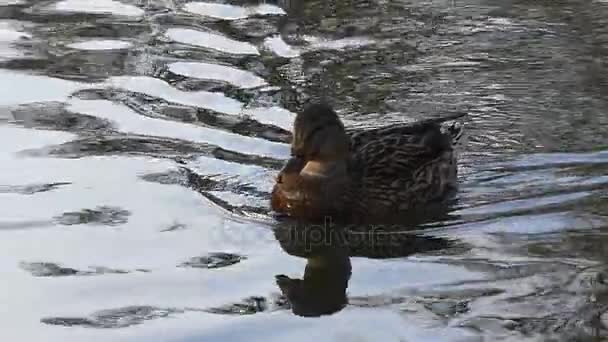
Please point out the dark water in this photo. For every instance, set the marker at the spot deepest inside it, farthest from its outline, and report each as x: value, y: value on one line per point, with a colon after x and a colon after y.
x: 139, y: 141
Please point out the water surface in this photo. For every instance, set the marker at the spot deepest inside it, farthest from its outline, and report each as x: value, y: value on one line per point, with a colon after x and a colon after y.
x: 140, y: 140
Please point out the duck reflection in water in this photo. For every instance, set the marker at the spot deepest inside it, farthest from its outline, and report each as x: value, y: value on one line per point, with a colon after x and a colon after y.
x: 323, y: 287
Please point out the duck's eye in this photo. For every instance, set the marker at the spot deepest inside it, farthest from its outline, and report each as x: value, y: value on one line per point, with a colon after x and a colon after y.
x: 312, y: 155
x: 297, y: 154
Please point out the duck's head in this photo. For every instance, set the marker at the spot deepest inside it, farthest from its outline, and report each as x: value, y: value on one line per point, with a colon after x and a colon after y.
x: 320, y: 141
x: 314, y: 179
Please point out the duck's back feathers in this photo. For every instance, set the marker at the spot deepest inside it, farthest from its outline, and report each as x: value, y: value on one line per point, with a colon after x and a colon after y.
x: 359, y: 137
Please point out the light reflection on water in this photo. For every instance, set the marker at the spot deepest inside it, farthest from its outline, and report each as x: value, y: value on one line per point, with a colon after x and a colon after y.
x: 140, y: 140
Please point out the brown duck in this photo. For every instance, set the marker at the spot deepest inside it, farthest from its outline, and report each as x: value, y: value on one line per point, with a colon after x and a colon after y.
x: 365, y: 175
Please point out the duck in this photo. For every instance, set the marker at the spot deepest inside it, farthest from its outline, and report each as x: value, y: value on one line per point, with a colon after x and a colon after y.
x: 365, y: 175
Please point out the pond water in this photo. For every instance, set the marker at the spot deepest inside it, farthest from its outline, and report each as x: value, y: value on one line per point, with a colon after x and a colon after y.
x: 140, y: 140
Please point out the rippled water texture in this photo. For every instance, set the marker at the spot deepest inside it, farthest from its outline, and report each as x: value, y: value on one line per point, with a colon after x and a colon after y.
x: 140, y: 140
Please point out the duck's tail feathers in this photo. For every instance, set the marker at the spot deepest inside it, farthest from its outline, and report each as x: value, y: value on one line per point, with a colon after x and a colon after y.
x: 450, y: 117
x: 456, y: 131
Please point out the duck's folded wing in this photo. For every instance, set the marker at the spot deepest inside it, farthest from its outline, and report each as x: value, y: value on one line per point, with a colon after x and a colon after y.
x: 398, y: 157
x: 399, y: 170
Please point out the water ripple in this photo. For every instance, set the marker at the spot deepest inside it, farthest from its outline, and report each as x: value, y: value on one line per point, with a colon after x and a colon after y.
x: 97, y: 7
x: 224, y: 73
x: 101, y: 44
x: 210, y: 41
x: 231, y: 12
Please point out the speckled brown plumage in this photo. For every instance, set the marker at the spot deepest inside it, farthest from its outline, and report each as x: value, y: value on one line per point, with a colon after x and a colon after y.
x: 365, y: 175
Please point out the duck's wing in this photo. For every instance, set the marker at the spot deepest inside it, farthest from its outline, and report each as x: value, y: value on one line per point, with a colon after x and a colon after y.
x: 398, y: 152
x: 400, y: 165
